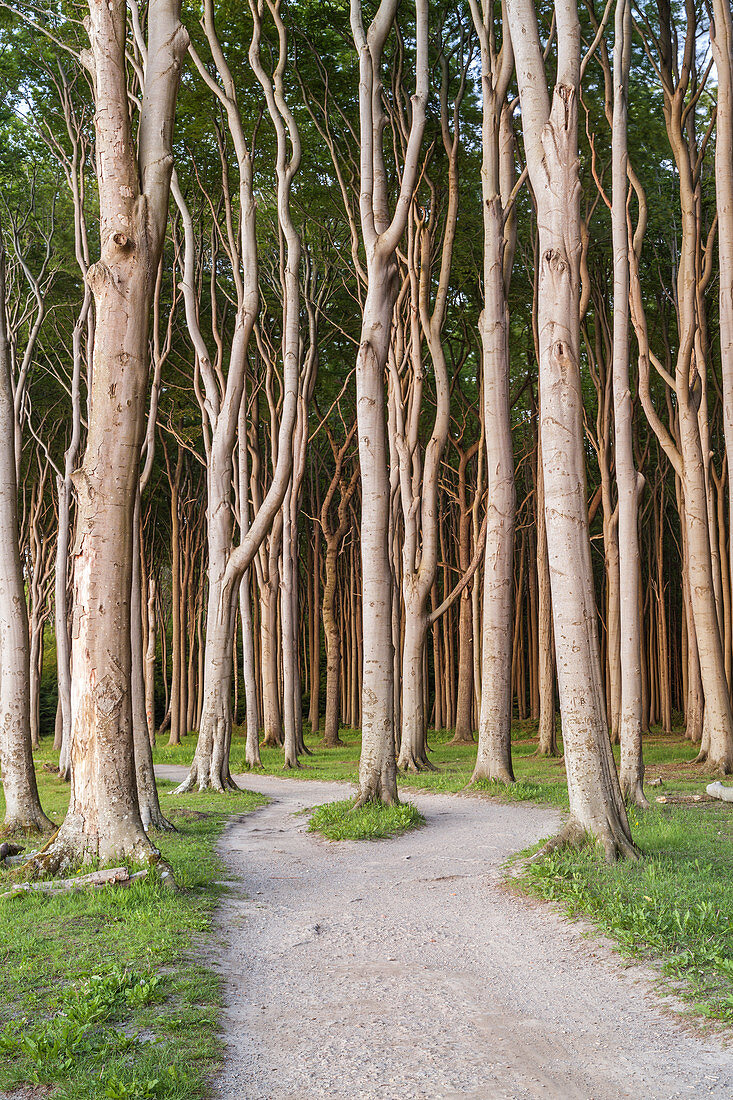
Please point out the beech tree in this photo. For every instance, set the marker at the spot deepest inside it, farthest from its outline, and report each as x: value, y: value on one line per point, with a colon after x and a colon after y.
x: 133, y: 175
x: 22, y: 806
x: 377, y: 388
x: 381, y: 235
x: 551, y: 146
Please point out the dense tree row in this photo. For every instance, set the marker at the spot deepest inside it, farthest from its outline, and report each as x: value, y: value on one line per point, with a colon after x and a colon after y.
x: 364, y: 365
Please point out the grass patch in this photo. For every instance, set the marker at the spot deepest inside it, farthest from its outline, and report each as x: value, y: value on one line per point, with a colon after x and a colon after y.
x: 674, y: 907
x: 373, y: 821
x: 108, y: 994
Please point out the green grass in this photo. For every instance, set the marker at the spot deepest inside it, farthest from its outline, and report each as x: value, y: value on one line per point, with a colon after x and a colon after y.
x: 107, y: 993
x: 373, y: 821
x: 83, y: 975
x: 675, y: 906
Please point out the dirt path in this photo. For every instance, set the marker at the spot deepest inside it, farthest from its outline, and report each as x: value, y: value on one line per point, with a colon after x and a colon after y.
x: 403, y: 969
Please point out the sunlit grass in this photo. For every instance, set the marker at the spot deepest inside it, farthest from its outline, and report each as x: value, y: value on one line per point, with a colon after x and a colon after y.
x: 136, y: 958
x: 372, y: 821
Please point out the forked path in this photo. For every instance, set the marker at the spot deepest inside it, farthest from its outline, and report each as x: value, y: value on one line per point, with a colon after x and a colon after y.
x: 403, y: 968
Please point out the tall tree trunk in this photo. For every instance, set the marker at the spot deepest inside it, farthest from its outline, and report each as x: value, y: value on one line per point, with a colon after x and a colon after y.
x: 103, y: 821
x: 377, y: 765
x: 628, y: 481
x: 551, y: 142
x: 22, y: 805
x: 493, y: 760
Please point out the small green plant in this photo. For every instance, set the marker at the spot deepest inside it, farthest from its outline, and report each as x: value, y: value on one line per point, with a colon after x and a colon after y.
x: 372, y: 821
x: 101, y: 993
x: 151, y: 1088
x: 76, y: 1029
x: 673, y: 906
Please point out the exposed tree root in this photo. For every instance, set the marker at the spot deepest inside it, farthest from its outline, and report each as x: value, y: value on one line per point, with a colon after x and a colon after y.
x: 34, y: 824
x: 378, y: 792
x: 464, y: 739
x: 717, y: 790
x: 496, y: 773
x: 70, y: 848
x: 156, y: 820
x: 205, y: 779
x: 633, y: 792
x: 332, y: 743
x: 574, y: 836
x: 415, y: 762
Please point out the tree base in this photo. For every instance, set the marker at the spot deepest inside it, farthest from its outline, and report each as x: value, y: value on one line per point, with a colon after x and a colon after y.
x: 574, y: 836
x: 632, y: 790
x: 463, y: 739
x: 415, y: 762
x: 543, y: 750
x: 376, y: 791
x: 71, y: 847
x: 332, y: 743
x: 204, y: 779
x: 30, y: 824
x: 498, y: 773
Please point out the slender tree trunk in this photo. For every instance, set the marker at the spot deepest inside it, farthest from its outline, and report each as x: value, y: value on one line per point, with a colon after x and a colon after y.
x: 628, y: 481
x: 550, y: 131
x: 22, y: 805
x: 547, y: 729
x: 103, y: 820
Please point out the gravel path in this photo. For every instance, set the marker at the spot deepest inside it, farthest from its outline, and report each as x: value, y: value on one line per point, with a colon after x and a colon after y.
x: 403, y: 969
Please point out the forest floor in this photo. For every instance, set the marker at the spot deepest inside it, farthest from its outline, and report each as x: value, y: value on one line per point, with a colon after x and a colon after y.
x: 104, y: 994
x: 402, y: 968
x: 407, y: 968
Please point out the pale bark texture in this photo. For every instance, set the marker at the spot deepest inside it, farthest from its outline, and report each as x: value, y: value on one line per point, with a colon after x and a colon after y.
x: 23, y: 811
x: 493, y: 759
x: 103, y: 820
x: 551, y: 143
x: 628, y: 480
x: 377, y: 766
x: 721, y: 40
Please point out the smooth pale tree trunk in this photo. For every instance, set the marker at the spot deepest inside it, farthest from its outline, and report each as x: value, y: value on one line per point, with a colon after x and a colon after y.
x: 291, y: 675
x: 103, y: 820
x: 721, y: 40
x: 690, y: 458
x: 151, y: 814
x: 551, y: 143
x: 22, y: 805
x: 493, y: 758
x: 377, y: 764
x: 65, y: 489
x: 547, y: 728
x: 333, y: 645
x: 252, y: 748
x: 315, y: 630
x: 273, y: 730
x: 628, y: 481
x: 464, y: 727
x: 419, y: 481
x: 210, y: 766
x: 176, y: 656
x: 150, y: 663
x: 221, y: 409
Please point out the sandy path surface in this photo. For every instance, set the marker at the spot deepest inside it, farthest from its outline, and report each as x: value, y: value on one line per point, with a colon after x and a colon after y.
x: 403, y: 969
